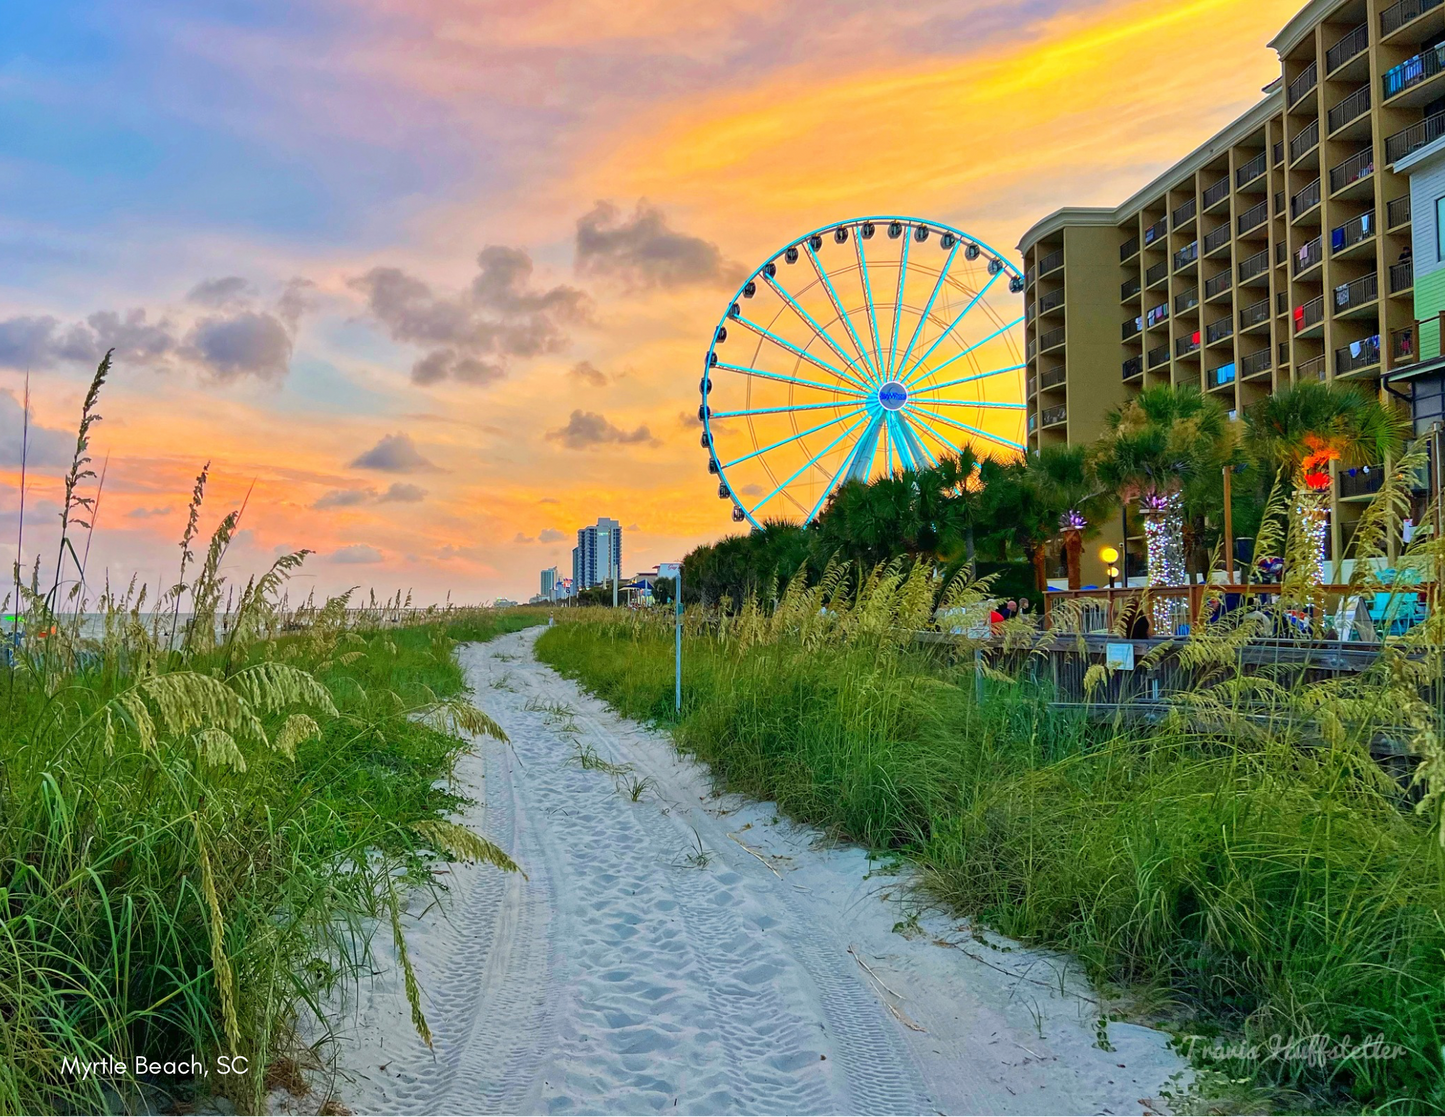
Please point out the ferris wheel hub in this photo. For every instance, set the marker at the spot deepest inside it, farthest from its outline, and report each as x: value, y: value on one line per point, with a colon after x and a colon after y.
x: 892, y: 396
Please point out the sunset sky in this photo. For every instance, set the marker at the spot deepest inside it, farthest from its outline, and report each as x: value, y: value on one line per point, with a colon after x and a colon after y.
x: 433, y: 279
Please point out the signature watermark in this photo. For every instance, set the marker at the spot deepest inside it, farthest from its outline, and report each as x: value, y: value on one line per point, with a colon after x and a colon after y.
x: 1317, y: 1050
x: 110, y: 1066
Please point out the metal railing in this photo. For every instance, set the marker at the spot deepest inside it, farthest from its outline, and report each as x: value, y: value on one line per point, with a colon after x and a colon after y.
x: 1357, y: 292
x: 1312, y: 369
x: 1364, y: 482
x: 1349, y: 108
x: 1129, y: 288
x: 1132, y: 327
x: 1218, y: 331
x: 1183, y: 213
x: 1253, y: 217
x: 1281, y: 302
x: 1251, y: 170
x: 1156, y: 230
x: 1053, y: 378
x: 1278, y: 152
x: 1254, y: 364
x: 1307, y: 139
x: 1156, y: 315
x: 1159, y: 355
x: 1308, y: 78
x: 1217, y: 283
x: 1357, y: 166
x: 1215, y: 191
x: 1052, y: 262
x: 1397, y: 212
x: 1052, y: 415
x: 1156, y: 273
x: 1033, y: 423
x: 1308, y: 255
x: 1402, y: 276
x: 1357, y: 355
x: 1220, y: 376
x: 1254, y: 314
x: 1346, y: 47
x: 1254, y: 265
x: 1129, y: 248
x: 1414, y: 137
x: 1352, y: 232
x: 1186, y: 300
x: 1050, y: 301
x: 1413, y: 71
x: 1216, y: 237
x: 1187, y: 255
x: 1051, y: 339
x: 1305, y: 200
x: 1309, y: 314
x: 1186, y: 345
x: 1395, y: 17
x: 1133, y: 367
x: 1403, y: 350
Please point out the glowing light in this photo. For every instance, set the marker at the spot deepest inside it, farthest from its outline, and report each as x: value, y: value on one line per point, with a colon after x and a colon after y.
x: 1164, y: 549
x: 1109, y: 555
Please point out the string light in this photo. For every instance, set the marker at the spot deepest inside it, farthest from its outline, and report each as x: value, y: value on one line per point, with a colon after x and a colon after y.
x: 1163, y: 516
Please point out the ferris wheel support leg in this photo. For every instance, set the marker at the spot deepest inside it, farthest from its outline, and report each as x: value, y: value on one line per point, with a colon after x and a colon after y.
x: 860, y: 463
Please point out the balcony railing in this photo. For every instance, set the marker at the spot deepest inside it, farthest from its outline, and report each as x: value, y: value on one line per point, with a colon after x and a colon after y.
x: 1253, y: 265
x: 1350, y: 44
x: 1155, y: 231
x: 1301, y: 85
x: 1215, y: 191
x: 1186, y: 345
x: 1307, y: 140
x: 1413, y: 71
x: 1186, y: 300
x: 1309, y: 314
x: 1403, y: 350
x: 1218, y: 331
x: 1357, y: 166
x: 1159, y: 355
x: 1251, y: 170
x: 1254, y: 314
x: 1357, y: 292
x: 1253, y: 217
x: 1395, y: 17
x: 1187, y: 255
x: 1133, y: 367
x: 1129, y: 248
x: 1050, y: 301
x: 1414, y: 137
x: 1052, y: 262
x: 1183, y: 213
x: 1357, y: 355
x: 1307, y: 256
x: 1402, y: 276
x: 1051, y: 416
x: 1051, y: 339
x: 1352, y: 232
x: 1278, y: 152
x: 1281, y: 252
x: 1156, y: 273
x: 1156, y: 315
x: 1254, y: 364
x: 1129, y: 288
x: 1217, y: 283
x: 1219, y: 377
x: 1305, y: 200
x: 1350, y: 108
x: 1052, y: 378
x: 1132, y: 327
x: 1033, y: 423
x: 1397, y: 212
x: 1216, y: 237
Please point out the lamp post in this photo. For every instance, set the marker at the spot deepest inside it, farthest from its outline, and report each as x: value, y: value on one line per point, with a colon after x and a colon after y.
x: 1110, y: 555
x: 673, y: 570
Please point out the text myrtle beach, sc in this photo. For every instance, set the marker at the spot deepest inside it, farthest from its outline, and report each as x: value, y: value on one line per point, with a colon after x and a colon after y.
x: 111, y: 1067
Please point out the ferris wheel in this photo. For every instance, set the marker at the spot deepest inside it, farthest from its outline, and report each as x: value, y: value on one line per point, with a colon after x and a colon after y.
x: 864, y: 347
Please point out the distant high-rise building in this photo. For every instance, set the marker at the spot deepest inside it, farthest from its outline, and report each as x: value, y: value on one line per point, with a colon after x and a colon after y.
x: 550, y: 583
x: 597, y: 558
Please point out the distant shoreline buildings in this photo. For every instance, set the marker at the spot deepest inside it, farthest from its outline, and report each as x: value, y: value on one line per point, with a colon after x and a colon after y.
x: 597, y: 558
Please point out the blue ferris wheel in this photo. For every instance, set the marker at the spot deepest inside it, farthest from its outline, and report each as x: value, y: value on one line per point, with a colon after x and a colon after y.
x: 862, y: 348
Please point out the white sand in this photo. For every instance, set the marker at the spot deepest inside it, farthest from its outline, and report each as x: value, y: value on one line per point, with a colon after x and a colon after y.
x: 624, y: 977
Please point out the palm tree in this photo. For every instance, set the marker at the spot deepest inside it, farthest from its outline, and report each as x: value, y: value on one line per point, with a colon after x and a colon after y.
x: 1151, y: 448
x: 1061, y: 478
x: 1299, y: 431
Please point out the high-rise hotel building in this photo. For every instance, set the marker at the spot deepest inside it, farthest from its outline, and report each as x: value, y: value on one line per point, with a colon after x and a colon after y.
x: 1278, y: 251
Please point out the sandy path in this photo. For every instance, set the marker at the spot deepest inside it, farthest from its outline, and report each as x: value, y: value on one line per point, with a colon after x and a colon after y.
x: 685, y: 953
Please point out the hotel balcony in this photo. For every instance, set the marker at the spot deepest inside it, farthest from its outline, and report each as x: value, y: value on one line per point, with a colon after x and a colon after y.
x: 1407, y: 11
x: 1413, y: 82
x: 1309, y: 77
x: 1349, y: 109
x: 1414, y: 137
x: 1355, y: 169
x: 1304, y: 141
x: 1354, y: 296
x: 1358, y: 355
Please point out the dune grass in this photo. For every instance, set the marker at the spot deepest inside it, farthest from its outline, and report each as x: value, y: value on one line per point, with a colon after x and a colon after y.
x: 1234, y: 891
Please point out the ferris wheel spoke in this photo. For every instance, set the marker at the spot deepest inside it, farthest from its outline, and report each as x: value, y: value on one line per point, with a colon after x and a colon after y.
x: 784, y: 379
x: 780, y: 410
x: 929, y: 429
x: 946, y: 421
x: 806, y: 465
x: 784, y: 343
x: 928, y: 307
x: 792, y: 438
x: 868, y: 296
x: 973, y: 302
x: 968, y: 379
x: 914, y: 426
x: 849, y: 468
x: 823, y: 335
x: 838, y: 306
x: 985, y: 404
x: 908, y: 447
x: 898, y: 301
x: 966, y: 351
